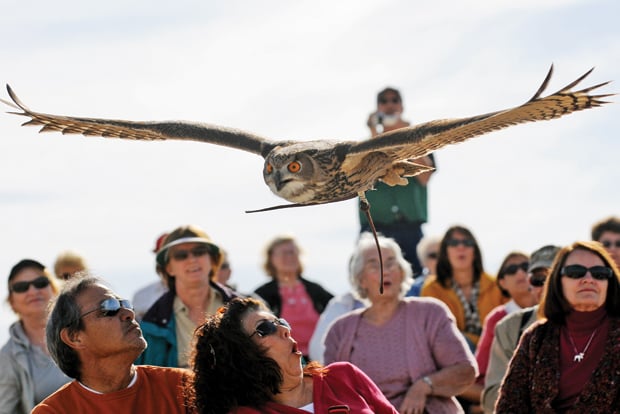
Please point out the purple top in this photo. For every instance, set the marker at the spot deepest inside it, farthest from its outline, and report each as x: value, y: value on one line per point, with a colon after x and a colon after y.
x: 424, y: 339
x: 390, y: 374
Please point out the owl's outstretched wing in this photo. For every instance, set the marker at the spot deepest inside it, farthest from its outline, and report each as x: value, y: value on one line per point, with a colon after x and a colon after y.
x: 419, y: 140
x: 176, y: 130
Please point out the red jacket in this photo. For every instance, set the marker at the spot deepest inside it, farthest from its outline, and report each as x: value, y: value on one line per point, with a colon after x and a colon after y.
x: 343, y: 384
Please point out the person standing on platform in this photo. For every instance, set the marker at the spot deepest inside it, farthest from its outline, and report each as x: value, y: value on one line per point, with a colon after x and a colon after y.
x: 398, y: 212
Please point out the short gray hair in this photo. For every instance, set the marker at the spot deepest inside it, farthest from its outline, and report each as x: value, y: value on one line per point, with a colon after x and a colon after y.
x: 356, y: 264
x: 424, y: 245
x: 65, y: 314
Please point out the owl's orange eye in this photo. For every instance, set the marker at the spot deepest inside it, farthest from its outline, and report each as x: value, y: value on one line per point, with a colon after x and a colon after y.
x: 269, y: 168
x: 294, y: 167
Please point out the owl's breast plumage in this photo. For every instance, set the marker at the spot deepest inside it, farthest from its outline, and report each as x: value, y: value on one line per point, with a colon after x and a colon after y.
x: 341, y: 184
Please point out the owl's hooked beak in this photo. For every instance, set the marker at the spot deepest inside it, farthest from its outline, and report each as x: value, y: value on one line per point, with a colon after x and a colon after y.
x: 278, y: 181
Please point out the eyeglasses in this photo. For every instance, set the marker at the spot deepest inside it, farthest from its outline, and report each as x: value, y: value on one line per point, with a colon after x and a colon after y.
x: 464, y: 242
x: 514, y: 268
x: 609, y: 243
x: 433, y: 255
x: 266, y: 327
x: 198, y: 251
x: 578, y: 271
x: 39, y: 283
x: 384, y: 101
x: 537, y: 281
x: 110, y: 307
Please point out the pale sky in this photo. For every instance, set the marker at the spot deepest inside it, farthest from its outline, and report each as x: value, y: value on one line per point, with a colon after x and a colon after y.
x: 293, y: 70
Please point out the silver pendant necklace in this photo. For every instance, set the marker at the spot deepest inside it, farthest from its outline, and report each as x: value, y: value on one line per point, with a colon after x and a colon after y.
x: 580, y: 355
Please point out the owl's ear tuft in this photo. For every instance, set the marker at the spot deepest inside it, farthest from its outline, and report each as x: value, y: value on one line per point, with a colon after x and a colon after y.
x: 342, y: 151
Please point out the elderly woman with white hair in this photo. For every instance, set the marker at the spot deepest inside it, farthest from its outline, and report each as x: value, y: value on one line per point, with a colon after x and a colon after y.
x: 410, y: 347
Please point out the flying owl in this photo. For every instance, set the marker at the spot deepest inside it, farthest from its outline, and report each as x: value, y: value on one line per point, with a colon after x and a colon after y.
x: 322, y: 171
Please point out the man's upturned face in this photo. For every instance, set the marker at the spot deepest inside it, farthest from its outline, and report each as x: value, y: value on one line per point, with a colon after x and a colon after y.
x: 106, y: 333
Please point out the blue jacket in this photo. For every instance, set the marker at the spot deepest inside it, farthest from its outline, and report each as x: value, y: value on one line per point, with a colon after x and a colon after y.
x: 159, y: 329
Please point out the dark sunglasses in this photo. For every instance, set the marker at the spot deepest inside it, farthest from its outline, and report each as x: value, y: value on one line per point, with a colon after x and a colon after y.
x: 464, y: 242
x: 383, y: 101
x: 538, y: 277
x: 578, y: 271
x: 39, y: 283
x: 266, y: 327
x: 198, y: 251
x: 537, y: 281
x: 608, y: 243
x: 514, y: 268
x: 110, y: 307
x: 433, y: 255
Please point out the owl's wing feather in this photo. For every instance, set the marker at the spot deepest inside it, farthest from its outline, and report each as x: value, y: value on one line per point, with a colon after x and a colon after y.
x: 176, y: 130
x: 419, y: 140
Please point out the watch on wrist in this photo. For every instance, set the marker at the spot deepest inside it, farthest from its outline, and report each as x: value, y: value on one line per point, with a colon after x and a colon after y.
x: 429, y: 382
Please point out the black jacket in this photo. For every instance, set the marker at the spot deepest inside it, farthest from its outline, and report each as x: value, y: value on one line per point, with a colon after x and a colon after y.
x: 269, y: 293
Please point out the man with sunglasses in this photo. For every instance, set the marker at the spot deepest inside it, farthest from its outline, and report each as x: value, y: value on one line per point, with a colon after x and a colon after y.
x: 607, y: 232
x: 509, y: 329
x: 94, y: 338
x: 399, y: 211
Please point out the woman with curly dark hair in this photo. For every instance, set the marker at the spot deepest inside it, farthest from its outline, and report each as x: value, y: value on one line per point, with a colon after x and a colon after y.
x: 246, y: 361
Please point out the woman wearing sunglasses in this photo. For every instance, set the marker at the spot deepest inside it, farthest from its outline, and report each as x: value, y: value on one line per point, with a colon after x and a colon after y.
x: 25, y: 357
x: 462, y: 284
x: 246, y: 361
x: 189, y: 261
x: 569, y: 361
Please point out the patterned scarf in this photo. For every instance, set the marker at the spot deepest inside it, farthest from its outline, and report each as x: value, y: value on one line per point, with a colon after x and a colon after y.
x: 472, y: 319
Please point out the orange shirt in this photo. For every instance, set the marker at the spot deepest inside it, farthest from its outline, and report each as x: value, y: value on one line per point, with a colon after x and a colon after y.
x: 156, y: 390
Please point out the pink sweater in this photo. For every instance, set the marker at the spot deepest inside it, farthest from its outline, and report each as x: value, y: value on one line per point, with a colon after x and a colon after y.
x: 430, y: 342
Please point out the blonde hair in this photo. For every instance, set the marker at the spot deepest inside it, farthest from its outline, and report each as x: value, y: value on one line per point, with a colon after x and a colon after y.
x: 275, y: 242
x: 68, y: 258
